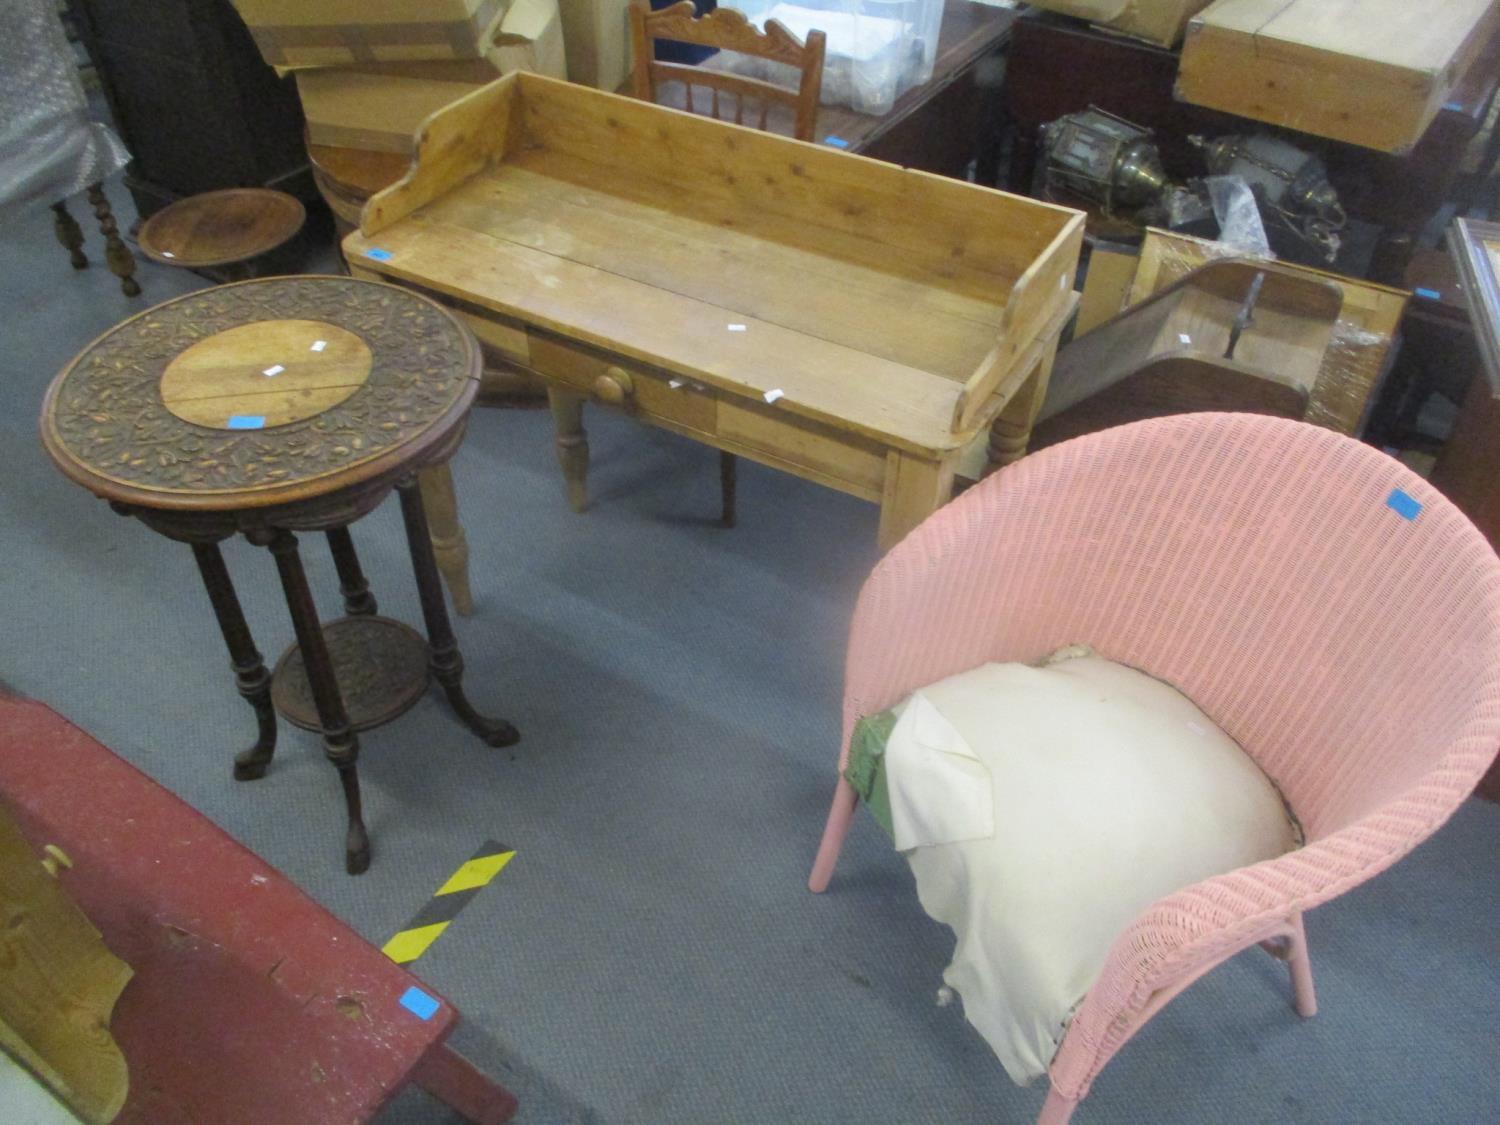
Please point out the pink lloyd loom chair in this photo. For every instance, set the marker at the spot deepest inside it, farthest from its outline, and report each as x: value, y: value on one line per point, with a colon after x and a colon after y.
x: 1330, y: 610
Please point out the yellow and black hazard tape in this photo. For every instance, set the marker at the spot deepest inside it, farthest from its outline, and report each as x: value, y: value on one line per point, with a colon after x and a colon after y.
x: 414, y: 938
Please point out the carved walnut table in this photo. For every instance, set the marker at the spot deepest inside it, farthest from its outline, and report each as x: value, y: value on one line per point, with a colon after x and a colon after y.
x: 272, y: 407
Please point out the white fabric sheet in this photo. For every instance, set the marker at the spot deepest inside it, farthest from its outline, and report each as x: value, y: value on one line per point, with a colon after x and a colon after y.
x: 1107, y: 790
x: 946, y: 794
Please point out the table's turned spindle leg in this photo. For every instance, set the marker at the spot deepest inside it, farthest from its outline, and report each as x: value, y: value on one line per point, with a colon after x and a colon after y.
x: 449, y: 543
x: 358, y: 601
x: 447, y: 663
x: 250, y: 673
x: 339, y: 742
x: 117, y: 255
x: 572, y: 445
x: 70, y: 234
x: 728, y: 487
x: 1010, y: 433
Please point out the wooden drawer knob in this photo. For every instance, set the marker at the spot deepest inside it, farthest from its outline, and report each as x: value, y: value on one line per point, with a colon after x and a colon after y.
x: 614, y: 386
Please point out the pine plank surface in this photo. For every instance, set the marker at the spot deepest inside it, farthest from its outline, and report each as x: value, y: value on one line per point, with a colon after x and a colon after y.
x: 1372, y: 73
x: 888, y: 302
x: 842, y: 318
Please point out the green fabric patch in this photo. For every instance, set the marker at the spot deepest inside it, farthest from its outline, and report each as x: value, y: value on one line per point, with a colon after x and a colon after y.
x: 866, y: 768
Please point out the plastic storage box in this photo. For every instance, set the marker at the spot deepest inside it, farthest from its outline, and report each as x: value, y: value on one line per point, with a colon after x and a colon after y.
x: 876, y: 48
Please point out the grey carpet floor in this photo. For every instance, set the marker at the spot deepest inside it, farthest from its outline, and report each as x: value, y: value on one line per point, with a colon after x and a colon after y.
x: 651, y: 954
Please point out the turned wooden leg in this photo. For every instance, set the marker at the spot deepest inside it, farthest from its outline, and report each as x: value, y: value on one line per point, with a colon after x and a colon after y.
x: 70, y: 234
x: 572, y: 444
x: 339, y: 742
x: 1008, y: 441
x: 1010, y: 433
x: 448, y: 538
x: 728, y: 486
x: 446, y: 661
x: 116, y: 253
x: 914, y: 489
x: 358, y: 601
x: 250, y: 674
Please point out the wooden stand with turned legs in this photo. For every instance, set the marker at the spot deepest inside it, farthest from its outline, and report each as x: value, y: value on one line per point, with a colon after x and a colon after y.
x: 117, y: 255
x: 327, y: 394
x: 70, y: 234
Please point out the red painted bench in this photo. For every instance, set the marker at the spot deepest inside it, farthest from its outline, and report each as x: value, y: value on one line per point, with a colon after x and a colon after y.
x: 250, y: 1002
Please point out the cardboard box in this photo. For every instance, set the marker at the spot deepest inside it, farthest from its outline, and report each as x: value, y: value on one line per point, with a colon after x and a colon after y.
x: 1156, y: 21
x: 307, y: 33
x: 1367, y: 72
x: 597, y: 36
x: 380, y: 107
x: 531, y: 38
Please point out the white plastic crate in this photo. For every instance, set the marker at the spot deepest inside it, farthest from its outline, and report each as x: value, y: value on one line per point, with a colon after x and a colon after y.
x: 877, y: 49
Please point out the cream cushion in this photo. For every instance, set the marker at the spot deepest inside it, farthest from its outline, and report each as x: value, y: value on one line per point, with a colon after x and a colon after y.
x: 1043, y: 808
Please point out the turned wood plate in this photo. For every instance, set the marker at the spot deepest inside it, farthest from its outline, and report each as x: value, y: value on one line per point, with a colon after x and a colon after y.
x: 217, y: 228
x: 262, y: 393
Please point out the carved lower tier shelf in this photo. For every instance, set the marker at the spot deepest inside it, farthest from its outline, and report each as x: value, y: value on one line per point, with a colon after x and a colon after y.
x: 381, y: 666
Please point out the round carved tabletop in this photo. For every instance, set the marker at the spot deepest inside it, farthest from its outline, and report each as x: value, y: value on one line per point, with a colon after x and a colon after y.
x: 262, y: 393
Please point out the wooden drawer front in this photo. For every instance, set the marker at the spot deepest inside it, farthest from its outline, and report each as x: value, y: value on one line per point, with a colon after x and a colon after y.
x: 503, y: 340
x: 821, y: 452
x: 646, y: 391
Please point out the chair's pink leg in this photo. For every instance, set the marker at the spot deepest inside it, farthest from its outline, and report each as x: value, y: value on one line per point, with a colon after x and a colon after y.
x: 1056, y: 1109
x: 1306, y: 998
x: 839, y: 816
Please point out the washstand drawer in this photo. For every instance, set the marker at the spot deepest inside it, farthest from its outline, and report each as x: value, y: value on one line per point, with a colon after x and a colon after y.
x: 632, y: 387
x: 811, y: 449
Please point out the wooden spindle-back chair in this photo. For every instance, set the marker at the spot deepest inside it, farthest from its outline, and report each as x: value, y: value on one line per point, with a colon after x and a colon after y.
x: 749, y: 99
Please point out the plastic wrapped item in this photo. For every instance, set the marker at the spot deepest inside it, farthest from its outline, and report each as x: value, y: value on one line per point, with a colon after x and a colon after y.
x: 877, y: 49
x: 1238, y: 215
x: 49, y: 149
x: 1184, y: 208
x: 1290, y: 184
x: 1359, y: 348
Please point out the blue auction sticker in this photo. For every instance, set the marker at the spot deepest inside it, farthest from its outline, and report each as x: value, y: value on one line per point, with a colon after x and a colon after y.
x: 1404, y: 505
x: 420, y: 1004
